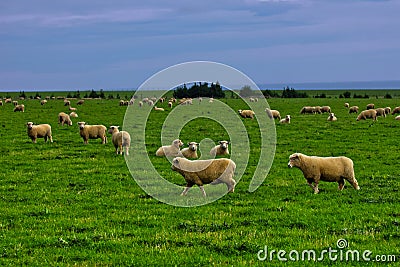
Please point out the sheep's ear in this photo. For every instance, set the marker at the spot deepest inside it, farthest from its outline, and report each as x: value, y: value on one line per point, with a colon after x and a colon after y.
x: 188, y: 144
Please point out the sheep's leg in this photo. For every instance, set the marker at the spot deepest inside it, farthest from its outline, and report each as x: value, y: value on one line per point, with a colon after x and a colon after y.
x: 51, y: 139
x: 184, y: 193
x: 203, y: 191
x: 316, y: 191
x: 120, y: 149
x: 341, y: 184
x: 127, y: 150
x: 354, y: 183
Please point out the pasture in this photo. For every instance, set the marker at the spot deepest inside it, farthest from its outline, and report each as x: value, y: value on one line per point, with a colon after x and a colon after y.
x: 66, y: 203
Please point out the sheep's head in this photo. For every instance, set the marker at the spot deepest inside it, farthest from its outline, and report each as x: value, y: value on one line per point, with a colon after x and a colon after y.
x: 29, y: 125
x: 294, y: 160
x: 193, y: 146
x: 177, y: 143
x: 81, y: 124
x: 224, y: 144
x: 240, y: 111
x: 113, y: 129
x: 287, y: 117
x: 175, y: 163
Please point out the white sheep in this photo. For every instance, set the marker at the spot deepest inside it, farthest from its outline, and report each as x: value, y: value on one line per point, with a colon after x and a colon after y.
x: 388, y: 110
x: 72, y: 109
x: 73, y: 114
x: 329, y: 169
x: 170, y: 104
x: 64, y: 118
x: 273, y: 114
x: 397, y: 117
x: 39, y: 131
x: 326, y: 109
x: 158, y: 109
x: 67, y: 103
x: 150, y: 102
x: 20, y: 108
x: 44, y: 101
x: 346, y: 105
x: 367, y: 114
x: 246, y: 113
x: 191, y: 151
x: 211, y: 100
x: 285, y: 120
x: 120, y: 140
x: 221, y: 149
x: 370, y: 106
x: 1, y: 102
x: 353, y: 109
x: 200, y: 172
x: 396, y: 110
x: 332, y: 117
x: 380, y: 112
x: 140, y: 104
x: 92, y: 132
x: 172, y: 150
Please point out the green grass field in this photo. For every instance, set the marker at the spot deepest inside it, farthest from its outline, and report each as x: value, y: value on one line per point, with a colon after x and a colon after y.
x: 66, y: 203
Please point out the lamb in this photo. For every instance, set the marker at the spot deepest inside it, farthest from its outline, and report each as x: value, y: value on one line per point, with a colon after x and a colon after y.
x: 64, y: 118
x: 329, y: 169
x: 246, y: 113
x: 285, y: 120
x: 221, y: 149
x: 388, y: 110
x: 191, y: 151
x: 332, y: 117
x: 92, y: 132
x: 367, y: 114
x: 353, y: 109
x: 273, y: 114
x: 200, y: 172
x: 120, y: 139
x: 80, y: 102
x: 171, y: 150
x: 326, y: 109
x: 396, y: 110
x: 370, y: 106
x: 380, y: 112
x: 158, y: 109
x: 39, y: 131
x: 346, y: 105
x: 44, y: 101
x: 20, y: 108
x: 73, y: 114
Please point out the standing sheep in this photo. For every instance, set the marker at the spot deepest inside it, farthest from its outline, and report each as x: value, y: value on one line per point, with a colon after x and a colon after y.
x: 307, y: 109
x: 20, y: 108
x: 73, y: 115
x: 273, y: 114
x: 44, y: 101
x: 246, y: 113
x: 332, y: 117
x: 380, y: 112
x: 329, y: 169
x: 396, y: 110
x: 170, y: 104
x: 92, y: 132
x: 285, y: 120
x: 221, y: 149
x: 200, y: 172
x: 353, y: 109
x: 39, y: 131
x: 397, y: 118
x: 67, y: 103
x: 80, y: 102
x: 1, y: 102
x: 172, y: 150
x: 120, y: 140
x: 367, y: 114
x: 388, y: 110
x: 64, y: 118
x: 370, y: 106
x: 346, y: 105
x: 326, y: 109
x: 191, y: 151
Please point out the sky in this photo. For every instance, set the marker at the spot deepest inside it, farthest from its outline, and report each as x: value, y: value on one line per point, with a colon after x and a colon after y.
x: 78, y: 45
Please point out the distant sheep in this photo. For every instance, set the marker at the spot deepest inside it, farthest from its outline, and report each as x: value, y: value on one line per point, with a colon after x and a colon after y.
x: 92, y: 132
x: 7, y: 100
x: 64, y: 118
x: 346, y: 105
x: 72, y: 109
x: 73, y: 115
x: 15, y: 103
x: 397, y: 117
x: 170, y: 104
x: 329, y: 169
x: 150, y: 102
x: 39, y: 131
x: 140, y: 104
x: 332, y: 117
x: 285, y: 120
x: 211, y: 100
x: 221, y: 149
x: 246, y: 113
x: 121, y: 103
x: 1, y: 102
x: 396, y: 110
x: 67, y: 103
x: 370, y: 106
x: 380, y: 112
x: 191, y: 151
x: 388, y: 110
x: 307, y: 110
x: 201, y: 172
x: 367, y: 114
x: 80, y: 102
x: 120, y: 140
x: 43, y: 102
x: 20, y: 108
x: 172, y: 150
x: 326, y: 109
x: 353, y: 109
x: 158, y: 109
x: 273, y: 114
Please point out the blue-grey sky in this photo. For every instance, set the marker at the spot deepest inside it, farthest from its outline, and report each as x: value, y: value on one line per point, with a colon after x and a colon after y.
x: 74, y: 44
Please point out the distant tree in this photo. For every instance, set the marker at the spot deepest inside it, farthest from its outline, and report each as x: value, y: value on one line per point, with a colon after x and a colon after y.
x: 101, y: 95
x: 270, y: 93
x: 22, y: 94
x: 341, y: 96
x: 199, y: 90
x: 110, y: 96
x: 246, y: 91
x: 347, y: 94
x: 93, y: 94
x: 292, y: 93
x: 388, y: 96
x: 118, y: 97
x: 69, y: 95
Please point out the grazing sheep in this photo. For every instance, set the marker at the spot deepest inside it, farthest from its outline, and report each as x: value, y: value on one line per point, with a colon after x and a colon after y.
x: 273, y: 114
x: 92, y: 132
x: 140, y: 104
x: 67, y: 103
x: 170, y: 104
x: 7, y: 100
x: 120, y: 140
x: 252, y: 99
x: 370, y: 106
x: 158, y: 109
x: 44, y: 101
x: 191, y: 151
x: 73, y: 114
x: 326, y: 109
x: 317, y: 109
x: 121, y: 102
x: 20, y: 108
x: 380, y: 112
x: 396, y: 110
x: 353, y: 109
x: 200, y: 172
x: 329, y: 169
x: 221, y: 149
x: 72, y: 109
x: 150, y: 102
x: 388, y: 110
x: 246, y: 113
x: 64, y: 118
x: 307, y: 109
x: 285, y: 120
x: 367, y: 114
x: 80, y: 102
x: 332, y: 117
x: 39, y: 131
x: 346, y: 105
x: 172, y: 150
x: 397, y: 117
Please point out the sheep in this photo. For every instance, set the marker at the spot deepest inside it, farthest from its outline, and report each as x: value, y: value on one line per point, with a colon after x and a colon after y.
x: 150, y: 102
x: 121, y: 102
x: 39, y: 131
x: 200, y: 172
x: 388, y: 110
x: 211, y: 100
x: 170, y: 104
x: 7, y: 100
x: 273, y: 114
x: 252, y: 99
x: 332, y: 117
x: 285, y: 120
x: 397, y: 118
x: 221, y: 149
x: 64, y: 118
x: 191, y: 151
x: 1, y: 102
x: 20, y: 108
x: 73, y: 114
x: 92, y: 132
x: 158, y: 109
x: 396, y: 110
x: 370, y: 106
x: 346, y: 105
x: 200, y: 99
x: 380, y: 112
x: 326, y: 109
x: 317, y: 109
x: 72, y: 109
x: 43, y: 102
x: 171, y: 150
x: 353, y: 109
x: 67, y: 103
x: 15, y: 103
x: 307, y: 109
x: 80, y: 102
x: 367, y: 114
x: 329, y: 169
x: 145, y: 100
x: 120, y: 139
x: 140, y: 104
x: 246, y: 113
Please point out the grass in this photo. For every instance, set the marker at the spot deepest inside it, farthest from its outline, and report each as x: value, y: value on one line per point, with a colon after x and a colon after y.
x: 67, y: 203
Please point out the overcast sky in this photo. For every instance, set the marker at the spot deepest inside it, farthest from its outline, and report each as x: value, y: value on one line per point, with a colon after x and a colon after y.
x: 77, y: 44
